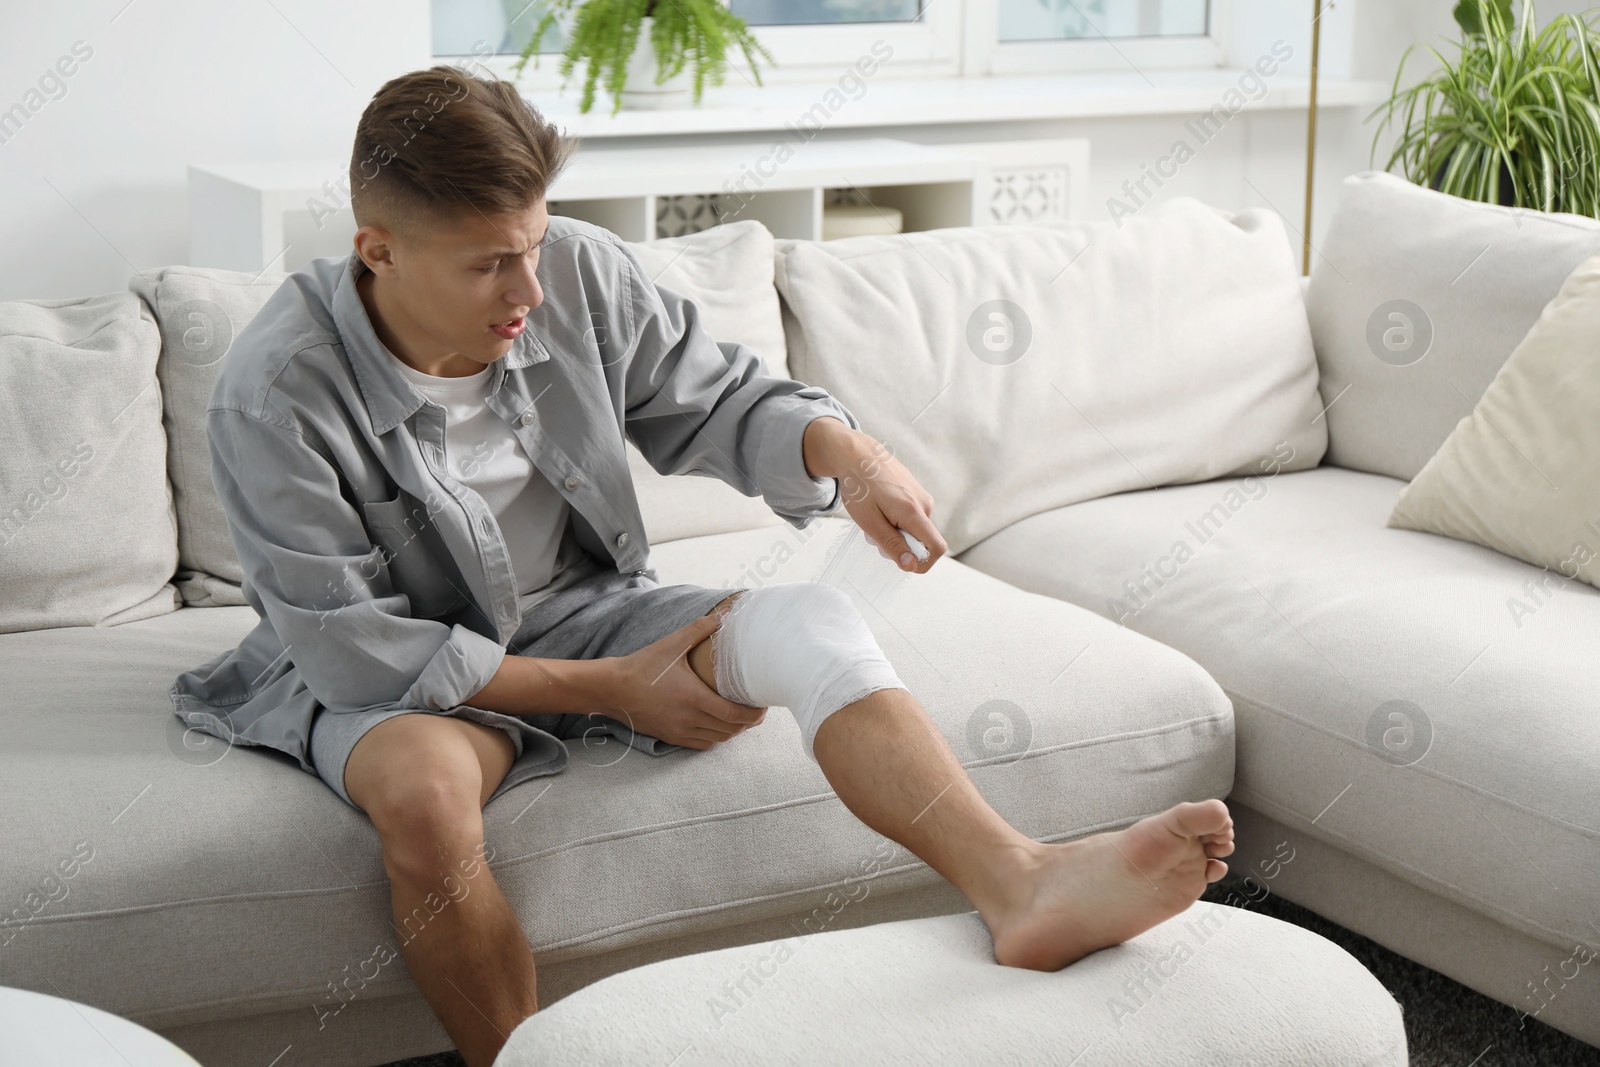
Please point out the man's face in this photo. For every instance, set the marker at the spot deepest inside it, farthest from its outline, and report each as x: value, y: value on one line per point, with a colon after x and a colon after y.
x: 465, y: 287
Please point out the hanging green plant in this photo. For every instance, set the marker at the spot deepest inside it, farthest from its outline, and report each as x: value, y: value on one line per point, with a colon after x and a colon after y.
x: 604, y: 33
x: 1514, y: 120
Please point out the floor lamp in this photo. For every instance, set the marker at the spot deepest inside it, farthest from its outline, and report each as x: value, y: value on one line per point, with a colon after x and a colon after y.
x: 1311, y: 133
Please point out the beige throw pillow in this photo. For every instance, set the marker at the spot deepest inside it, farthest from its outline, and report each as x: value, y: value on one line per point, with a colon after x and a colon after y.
x: 1521, y: 474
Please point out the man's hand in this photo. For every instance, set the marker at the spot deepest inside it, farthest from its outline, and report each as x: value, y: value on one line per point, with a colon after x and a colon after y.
x: 656, y: 692
x: 876, y: 489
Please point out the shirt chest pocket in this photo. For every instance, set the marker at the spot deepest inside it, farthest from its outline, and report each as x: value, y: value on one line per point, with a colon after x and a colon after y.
x: 415, y: 554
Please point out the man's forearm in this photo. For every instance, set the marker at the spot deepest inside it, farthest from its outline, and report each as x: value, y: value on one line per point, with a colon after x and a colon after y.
x: 831, y: 449
x: 526, y: 685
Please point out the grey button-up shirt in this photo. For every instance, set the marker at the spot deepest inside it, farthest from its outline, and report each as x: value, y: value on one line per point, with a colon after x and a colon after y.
x: 383, y: 582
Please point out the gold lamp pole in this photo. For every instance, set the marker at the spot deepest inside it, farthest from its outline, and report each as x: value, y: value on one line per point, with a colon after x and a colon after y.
x: 1311, y: 133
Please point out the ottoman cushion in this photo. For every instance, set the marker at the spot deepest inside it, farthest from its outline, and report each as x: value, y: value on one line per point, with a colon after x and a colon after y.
x: 1215, y: 985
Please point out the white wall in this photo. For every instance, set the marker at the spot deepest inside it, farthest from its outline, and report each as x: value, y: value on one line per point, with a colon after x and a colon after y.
x: 94, y: 183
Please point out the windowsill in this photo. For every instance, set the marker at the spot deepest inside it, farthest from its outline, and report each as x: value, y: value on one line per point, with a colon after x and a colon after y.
x: 733, y: 108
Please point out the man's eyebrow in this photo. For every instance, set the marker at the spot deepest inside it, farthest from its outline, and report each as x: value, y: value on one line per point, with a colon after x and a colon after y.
x: 501, y: 253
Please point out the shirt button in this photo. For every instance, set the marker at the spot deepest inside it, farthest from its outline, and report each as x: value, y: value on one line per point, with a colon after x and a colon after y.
x: 622, y: 539
x: 573, y: 481
x: 527, y: 417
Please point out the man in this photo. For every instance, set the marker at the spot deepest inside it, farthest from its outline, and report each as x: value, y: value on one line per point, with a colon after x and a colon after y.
x: 420, y: 451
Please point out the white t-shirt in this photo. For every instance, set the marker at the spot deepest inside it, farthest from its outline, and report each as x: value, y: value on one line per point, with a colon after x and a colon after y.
x: 482, y: 452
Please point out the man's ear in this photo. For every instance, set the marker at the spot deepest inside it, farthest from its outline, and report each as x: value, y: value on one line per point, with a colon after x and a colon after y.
x: 376, y: 246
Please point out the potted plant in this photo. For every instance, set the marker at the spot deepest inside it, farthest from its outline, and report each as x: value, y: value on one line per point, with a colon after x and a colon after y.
x: 1514, y: 120
x: 619, y: 38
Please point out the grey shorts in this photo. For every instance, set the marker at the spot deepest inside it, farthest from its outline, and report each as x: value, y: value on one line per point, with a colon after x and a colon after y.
x: 606, y: 614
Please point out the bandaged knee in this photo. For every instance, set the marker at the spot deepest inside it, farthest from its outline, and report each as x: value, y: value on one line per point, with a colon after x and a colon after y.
x: 799, y: 645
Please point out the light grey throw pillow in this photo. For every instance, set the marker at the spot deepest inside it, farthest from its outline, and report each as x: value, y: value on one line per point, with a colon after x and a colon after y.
x: 200, y: 312
x: 87, y: 535
x: 727, y: 272
x: 1416, y: 299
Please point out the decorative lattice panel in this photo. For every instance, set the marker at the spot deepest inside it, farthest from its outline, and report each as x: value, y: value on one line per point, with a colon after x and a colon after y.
x: 680, y: 215
x: 852, y: 196
x: 1022, y: 195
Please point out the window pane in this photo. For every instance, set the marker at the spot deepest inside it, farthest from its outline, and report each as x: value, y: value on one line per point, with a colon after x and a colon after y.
x: 1048, y: 20
x: 504, y: 26
x: 789, y: 12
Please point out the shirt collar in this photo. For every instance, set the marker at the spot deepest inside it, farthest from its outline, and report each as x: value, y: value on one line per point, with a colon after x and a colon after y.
x: 390, y: 398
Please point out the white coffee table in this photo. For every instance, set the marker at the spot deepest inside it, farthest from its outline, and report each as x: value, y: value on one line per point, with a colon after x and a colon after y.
x: 36, y: 1028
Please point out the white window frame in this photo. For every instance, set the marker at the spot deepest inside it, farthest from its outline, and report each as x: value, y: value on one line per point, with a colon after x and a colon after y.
x: 929, y: 47
x: 986, y: 54
x: 955, y: 37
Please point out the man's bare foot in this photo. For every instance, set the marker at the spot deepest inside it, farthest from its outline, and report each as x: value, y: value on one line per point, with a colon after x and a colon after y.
x: 1081, y: 896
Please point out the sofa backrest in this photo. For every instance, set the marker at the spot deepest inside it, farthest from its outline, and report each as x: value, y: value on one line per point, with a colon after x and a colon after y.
x: 727, y: 271
x: 1015, y: 369
x: 1416, y: 299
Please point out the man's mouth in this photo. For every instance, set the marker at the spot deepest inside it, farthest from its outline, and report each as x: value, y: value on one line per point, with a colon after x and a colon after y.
x: 512, y: 328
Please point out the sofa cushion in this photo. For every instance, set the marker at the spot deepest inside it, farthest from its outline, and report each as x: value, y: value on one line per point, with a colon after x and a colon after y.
x: 1415, y: 301
x: 1016, y: 369
x: 726, y: 271
x: 200, y: 312
x: 87, y: 534
x: 1425, y: 704
x: 232, y: 881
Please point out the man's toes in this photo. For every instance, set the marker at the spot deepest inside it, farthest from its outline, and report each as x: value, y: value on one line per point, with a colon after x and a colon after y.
x: 1218, y: 848
x: 1200, y: 819
x: 1215, y: 869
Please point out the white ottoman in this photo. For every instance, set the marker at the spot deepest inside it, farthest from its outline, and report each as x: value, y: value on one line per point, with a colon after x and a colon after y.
x: 1215, y: 985
x: 37, y: 1028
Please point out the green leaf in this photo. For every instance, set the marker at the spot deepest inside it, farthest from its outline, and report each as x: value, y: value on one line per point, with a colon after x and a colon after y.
x: 1470, y: 15
x: 1514, y: 115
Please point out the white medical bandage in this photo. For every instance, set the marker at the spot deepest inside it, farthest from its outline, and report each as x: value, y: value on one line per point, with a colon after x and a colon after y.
x: 799, y: 645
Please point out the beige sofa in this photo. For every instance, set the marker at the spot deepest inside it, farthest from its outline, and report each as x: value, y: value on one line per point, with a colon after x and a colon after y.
x: 228, y: 900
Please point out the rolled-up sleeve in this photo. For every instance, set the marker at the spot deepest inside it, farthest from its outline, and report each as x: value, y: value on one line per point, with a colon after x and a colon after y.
x: 324, y: 586
x: 694, y: 405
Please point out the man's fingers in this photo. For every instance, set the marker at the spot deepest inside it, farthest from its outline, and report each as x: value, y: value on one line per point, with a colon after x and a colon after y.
x: 719, y: 707
x: 892, y: 543
x: 710, y: 725
x: 922, y: 528
x: 687, y: 636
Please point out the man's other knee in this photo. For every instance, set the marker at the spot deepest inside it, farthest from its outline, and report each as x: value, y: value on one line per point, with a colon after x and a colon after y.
x: 422, y: 780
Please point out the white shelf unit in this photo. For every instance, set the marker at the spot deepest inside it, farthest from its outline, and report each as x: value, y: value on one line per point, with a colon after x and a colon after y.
x: 279, y: 215
x: 620, y: 189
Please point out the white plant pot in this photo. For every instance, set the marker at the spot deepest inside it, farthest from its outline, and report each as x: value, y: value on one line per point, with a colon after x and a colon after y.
x: 639, y: 89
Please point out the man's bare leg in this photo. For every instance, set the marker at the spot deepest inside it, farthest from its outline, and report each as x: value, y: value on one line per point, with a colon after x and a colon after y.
x: 423, y: 780
x: 1046, y: 905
